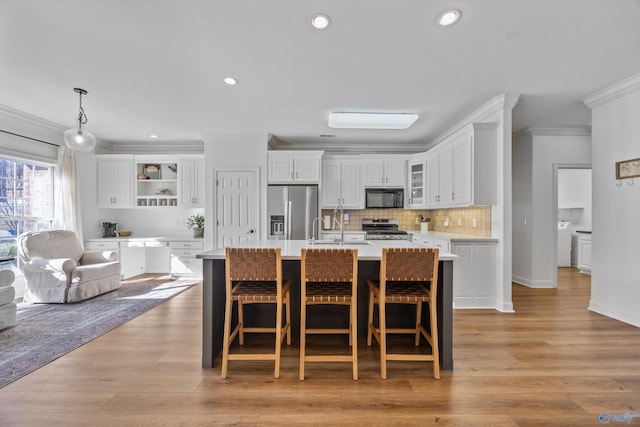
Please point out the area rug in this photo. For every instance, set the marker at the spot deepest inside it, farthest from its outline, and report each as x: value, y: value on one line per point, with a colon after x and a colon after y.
x: 45, y: 332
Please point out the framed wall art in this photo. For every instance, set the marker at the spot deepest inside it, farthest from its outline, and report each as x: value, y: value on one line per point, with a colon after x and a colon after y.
x: 628, y: 169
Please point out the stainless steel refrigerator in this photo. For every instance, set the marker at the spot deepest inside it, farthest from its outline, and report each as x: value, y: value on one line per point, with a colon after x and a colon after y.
x: 291, y: 211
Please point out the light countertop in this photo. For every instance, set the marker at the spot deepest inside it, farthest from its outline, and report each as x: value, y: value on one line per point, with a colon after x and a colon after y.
x: 454, y: 237
x: 137, y: 237
x: 369, y: 250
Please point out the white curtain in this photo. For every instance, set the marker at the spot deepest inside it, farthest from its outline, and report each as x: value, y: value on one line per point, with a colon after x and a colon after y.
x: 67, y: 195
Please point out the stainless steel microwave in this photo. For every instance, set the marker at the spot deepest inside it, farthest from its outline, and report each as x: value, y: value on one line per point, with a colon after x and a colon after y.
x: 384, y: 198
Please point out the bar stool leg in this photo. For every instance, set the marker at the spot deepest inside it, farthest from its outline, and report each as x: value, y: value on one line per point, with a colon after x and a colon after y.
x: 227, y: 332
x: 353, y: 336
x: 383, y: 338
x: 434, y: 340
x: 370, y: 320
x: 278, y: 337
x: 418, y: 322
x: 303, y: 333
x: 241, y: 322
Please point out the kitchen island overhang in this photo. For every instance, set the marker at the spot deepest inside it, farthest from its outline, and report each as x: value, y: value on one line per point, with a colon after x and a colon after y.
x: 369, y: 255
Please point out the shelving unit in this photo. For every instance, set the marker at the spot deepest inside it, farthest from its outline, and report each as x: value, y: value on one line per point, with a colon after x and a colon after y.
x: 156, y: 184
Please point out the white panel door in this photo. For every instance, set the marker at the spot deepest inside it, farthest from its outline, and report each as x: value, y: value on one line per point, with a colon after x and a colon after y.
x: 237, y: 207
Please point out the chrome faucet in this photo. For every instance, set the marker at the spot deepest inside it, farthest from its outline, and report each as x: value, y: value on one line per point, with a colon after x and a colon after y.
x: 339, y: 221
x: 313, y: 225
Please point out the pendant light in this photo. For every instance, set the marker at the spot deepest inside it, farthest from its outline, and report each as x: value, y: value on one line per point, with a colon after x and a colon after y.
x: 79, y: 139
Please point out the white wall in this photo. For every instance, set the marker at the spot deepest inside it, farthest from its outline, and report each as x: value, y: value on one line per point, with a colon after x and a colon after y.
x: 549, y: 148
x: 615, y: 280
x: 574, y: 194
x: 522, y: 209
x: 242, y: 151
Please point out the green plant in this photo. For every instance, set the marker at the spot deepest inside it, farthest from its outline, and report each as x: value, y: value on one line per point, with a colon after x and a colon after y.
x: 195, y: 221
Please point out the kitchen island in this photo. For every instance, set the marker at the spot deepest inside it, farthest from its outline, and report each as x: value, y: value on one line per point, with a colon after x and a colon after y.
x: 369, y: 255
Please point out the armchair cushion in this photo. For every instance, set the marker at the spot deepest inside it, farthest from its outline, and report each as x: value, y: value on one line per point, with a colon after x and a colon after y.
x: 57, y: 269
x: 8, y: 308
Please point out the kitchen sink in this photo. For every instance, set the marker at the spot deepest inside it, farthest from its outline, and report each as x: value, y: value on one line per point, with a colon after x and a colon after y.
x: 336, y: 242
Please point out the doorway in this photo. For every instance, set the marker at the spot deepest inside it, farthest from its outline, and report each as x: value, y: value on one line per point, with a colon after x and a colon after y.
x: 572, y: 211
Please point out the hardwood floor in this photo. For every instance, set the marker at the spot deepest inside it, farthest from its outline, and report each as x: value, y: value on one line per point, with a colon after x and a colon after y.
x: 552, y: 362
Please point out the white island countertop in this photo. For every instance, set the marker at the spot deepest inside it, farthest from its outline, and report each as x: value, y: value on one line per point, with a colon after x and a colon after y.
x: 369, y: 250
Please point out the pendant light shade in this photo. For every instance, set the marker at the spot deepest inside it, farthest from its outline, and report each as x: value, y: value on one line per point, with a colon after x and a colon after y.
x: 79, y: 139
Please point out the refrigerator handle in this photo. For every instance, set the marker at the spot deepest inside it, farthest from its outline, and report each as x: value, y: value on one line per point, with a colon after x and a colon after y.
x: 287, y: 220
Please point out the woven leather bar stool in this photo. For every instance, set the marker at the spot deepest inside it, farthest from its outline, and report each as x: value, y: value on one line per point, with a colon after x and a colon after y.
x: 254, y: 276
x: 407, y: 276
x: 329, y: 276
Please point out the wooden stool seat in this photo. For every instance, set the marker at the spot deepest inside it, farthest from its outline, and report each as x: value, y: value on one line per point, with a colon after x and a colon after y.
x: 407, y: 276
x: 329, y: 292
x: 329, y: 277
x: 248, y: 292
x: 254, y: 276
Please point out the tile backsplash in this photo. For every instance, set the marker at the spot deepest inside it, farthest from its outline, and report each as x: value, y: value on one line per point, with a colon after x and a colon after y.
x: 460, y: 220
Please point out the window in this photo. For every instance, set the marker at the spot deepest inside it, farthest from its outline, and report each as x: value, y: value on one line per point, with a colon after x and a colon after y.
x: 26, y: 203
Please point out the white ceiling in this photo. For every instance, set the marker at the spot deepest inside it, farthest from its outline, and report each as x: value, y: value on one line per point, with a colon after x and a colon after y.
x: 156, y: 66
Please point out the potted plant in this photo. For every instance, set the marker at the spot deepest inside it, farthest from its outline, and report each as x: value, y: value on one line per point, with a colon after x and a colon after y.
x: 196, y: 222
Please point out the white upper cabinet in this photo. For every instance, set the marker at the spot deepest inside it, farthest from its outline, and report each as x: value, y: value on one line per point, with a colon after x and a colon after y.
x: 341, y: 184
x: 191, y: 181
x: 384, y: 173
x: 115, y: 181
x: 461, y: 171
x: 302, y: 167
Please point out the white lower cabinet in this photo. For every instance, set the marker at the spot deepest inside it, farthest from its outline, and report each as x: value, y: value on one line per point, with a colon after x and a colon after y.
x: 584, y: 252
x: 474, y: 274
x: 348, y: 236
x: 183, y: 258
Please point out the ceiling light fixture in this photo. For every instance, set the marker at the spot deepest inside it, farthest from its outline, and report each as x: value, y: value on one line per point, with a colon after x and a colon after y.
x: 320, y: 21
x: 230, y: 81
x: 347, y: 120
x: 153, y: 136
x: 449, y: 17
x: 78, y: 139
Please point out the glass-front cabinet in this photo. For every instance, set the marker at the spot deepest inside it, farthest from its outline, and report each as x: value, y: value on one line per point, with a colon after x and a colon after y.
x: 417, y: 183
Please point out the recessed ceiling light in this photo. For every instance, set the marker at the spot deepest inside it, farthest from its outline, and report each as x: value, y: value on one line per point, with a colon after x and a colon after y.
x: 320, y: 21
x: 153, y: 136
x: 449, y: 17
x: 230, y: 81
x: 343, y: 120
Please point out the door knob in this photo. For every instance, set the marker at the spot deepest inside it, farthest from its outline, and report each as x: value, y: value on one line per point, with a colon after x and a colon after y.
x: 251, y: 231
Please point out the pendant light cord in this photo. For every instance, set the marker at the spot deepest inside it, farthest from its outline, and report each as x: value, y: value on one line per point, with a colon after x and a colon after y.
x: 82, y: 117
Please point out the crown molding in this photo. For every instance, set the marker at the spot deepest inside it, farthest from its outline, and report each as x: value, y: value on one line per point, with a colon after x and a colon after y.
x: 152, y: 147
x: 30, y: 120
x: 614, y: 91
x: 559, y: 130
x: 497, y: 103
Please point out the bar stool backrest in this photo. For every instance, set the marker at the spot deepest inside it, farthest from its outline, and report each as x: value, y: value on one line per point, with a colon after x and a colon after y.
x: 329, y: 265
x: 410, y: 265
x: 254, y: 264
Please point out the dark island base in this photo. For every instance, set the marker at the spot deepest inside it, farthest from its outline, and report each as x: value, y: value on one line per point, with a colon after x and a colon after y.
x: 399, y: 315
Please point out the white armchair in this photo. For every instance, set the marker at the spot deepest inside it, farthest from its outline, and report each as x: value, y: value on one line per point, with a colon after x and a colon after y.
x: 57, y: 269
x: 8, y: 306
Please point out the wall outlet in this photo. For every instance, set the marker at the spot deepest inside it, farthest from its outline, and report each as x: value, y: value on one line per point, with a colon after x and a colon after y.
x: 474, y: 223
x: 446, y: 222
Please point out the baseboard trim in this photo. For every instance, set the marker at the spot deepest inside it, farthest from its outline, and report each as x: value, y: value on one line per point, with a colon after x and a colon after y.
x: 631, y: 318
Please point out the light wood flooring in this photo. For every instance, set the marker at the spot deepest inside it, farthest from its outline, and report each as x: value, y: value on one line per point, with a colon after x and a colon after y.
x: 552, y: 362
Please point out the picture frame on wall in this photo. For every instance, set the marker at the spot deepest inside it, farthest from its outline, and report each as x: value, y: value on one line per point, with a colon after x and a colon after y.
x: 628, y: 169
